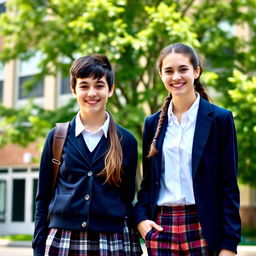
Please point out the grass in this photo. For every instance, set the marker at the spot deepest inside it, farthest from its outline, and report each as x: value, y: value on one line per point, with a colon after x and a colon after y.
x: 17, y: 237
x: 247, y: 240
x: 248, y: 236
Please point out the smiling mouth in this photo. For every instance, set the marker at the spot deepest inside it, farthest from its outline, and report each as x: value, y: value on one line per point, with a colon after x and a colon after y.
x: 92, y: 102
x: 177, y: 85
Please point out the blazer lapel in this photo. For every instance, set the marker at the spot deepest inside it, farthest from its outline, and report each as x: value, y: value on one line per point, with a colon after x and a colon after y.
x: 202, y: 130
x: 159, y: 145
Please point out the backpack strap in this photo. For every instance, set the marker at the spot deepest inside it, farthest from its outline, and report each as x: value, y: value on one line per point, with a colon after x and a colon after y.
x: 59, y: 137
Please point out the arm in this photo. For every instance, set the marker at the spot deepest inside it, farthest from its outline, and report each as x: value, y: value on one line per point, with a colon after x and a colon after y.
x: 231, y: 222
x: 43, y: 198
x: 143, y: 205
x: 130, y: 163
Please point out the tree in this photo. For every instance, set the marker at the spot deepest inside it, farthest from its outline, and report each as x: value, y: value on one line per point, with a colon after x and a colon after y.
x: 244, y: 107
x: 131, y: 33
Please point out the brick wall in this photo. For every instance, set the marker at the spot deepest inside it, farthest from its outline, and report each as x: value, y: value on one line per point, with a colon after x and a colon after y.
x: 12, y: 155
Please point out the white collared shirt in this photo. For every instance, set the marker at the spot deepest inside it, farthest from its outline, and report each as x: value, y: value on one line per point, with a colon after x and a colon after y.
x: 91, y: 138
x: 176, y: 178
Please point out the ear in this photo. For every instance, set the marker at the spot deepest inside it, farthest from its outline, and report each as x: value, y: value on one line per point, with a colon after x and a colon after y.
x: 197, y: 72
x: 160, y: 74
x: 110, y: 93
x: 73, y: 92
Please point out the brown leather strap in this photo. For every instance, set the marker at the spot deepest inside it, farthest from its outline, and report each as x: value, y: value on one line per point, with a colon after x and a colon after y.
x: 59, y: 137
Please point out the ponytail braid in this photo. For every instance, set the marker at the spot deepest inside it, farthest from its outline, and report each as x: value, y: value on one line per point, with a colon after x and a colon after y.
x: 153, y: 150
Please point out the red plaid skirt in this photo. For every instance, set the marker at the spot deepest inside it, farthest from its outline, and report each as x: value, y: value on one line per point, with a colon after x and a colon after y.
x: 61, y: 242
x: 181, y: 235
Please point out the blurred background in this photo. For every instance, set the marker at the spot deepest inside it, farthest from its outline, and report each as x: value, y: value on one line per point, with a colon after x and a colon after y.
x: 39, y: 39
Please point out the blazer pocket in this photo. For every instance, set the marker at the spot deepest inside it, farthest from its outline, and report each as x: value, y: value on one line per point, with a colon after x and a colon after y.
x: 61, y: 203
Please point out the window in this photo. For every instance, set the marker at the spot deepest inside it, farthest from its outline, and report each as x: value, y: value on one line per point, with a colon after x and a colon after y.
x: 20, y: 170
x: 64, y: 76
x: 18, y: 200
x: 1, y: 81
x: 2, y: 6
x: 28, y: 69
x: 35, y: 184
x: 65, y: 85
x: 2, y: 200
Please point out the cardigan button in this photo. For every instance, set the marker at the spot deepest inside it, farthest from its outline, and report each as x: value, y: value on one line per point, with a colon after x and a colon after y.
x: 89, y: 173
x: 84, y: 224
x: 87, y: 197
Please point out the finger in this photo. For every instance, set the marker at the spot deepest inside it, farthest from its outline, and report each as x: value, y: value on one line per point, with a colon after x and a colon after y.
x: 157, y: 227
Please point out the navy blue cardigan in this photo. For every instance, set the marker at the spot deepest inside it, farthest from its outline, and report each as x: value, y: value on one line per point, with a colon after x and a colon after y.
x: 214, y: 172
x: 82, y: 200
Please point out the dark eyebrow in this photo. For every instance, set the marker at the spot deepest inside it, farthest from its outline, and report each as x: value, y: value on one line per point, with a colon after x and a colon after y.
x: 101, y: 81
x: 181, y: 66
x: 85, y: 82
x: 82, y: 82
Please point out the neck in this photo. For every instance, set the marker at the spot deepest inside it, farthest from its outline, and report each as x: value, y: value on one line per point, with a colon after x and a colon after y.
x: 182, y: 104
x: 93, y: 122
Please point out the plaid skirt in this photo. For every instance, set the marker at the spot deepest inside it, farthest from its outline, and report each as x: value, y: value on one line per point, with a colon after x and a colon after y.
x: 61, y: 242
x: 181, y: 235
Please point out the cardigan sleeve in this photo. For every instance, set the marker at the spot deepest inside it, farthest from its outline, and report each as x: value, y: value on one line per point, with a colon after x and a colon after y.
x: 43, y: 197
x: 230, y: 192
x: 129, y: 169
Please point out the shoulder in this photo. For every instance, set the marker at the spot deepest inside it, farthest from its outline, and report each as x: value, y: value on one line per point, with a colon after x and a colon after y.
x: 50, y: 135
x: 217, y: 111
x: 125, y: 135
x: 152, y: 118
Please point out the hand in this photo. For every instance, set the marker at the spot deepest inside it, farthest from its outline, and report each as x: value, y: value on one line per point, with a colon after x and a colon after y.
x: 225, y: 252
x: 146, y: 225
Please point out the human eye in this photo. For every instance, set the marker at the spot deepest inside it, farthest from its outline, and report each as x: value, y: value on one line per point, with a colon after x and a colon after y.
x: 100, y: 85
x: 168, y: 71
x: 83, y: 86
x: 183, y: 70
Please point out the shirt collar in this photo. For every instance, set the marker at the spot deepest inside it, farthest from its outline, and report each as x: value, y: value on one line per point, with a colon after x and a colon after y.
x: 80, y: 127
x: 191, y: 113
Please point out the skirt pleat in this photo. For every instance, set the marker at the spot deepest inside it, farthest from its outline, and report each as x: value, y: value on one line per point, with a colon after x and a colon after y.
x: 61, y: 242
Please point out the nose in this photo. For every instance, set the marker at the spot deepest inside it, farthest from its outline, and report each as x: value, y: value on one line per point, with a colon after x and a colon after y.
x: 176, y: 76
x: 91, y: 92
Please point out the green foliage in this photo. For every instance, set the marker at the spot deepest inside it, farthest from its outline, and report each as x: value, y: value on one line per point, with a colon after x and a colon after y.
x: 244, y: 109
x: 27, y: 124
x: 132, y: 33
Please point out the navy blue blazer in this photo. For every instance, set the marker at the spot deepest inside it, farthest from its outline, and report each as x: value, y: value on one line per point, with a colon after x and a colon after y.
x: 214, y: 172
x: 82, y: 200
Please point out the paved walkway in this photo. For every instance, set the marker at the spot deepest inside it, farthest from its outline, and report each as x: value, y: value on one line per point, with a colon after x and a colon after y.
x: 241, y: 251
x: 24, y: 249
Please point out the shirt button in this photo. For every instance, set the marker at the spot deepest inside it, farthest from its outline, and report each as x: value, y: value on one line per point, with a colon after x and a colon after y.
x: 87, y: 197
x: 84, y: 224
x: 89, y: 173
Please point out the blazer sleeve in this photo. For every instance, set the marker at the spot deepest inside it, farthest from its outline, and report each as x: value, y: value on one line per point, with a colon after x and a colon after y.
x: 43, y: 197
x: 144, y: 204
x: 230, y: 192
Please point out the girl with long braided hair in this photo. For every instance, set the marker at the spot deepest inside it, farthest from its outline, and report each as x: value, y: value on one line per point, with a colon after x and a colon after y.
x: 188, y: 203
